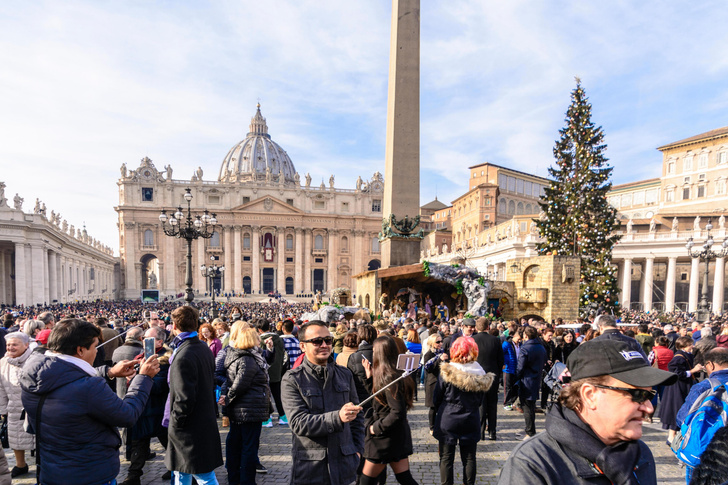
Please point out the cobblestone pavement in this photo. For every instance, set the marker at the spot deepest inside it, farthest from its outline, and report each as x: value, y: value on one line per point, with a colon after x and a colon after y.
x: 275, y: 453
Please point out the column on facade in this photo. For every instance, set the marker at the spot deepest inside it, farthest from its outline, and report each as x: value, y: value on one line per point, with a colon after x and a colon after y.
x: 237, y: 276
x: 670, y: 283
x: 307, y: 260
x: 356, y: 245
x: 53, y: 275
x: 21, y: 296
x: 648, y: 277
x: 281, y: 253
x: 37, y: 275
x: 256, y: 260
x: 228, y: 249
x: 694, y: 284
x: 718, y: 286
x: 331, y: 254
x: 3, y: 279
x: 46, y: 277
x: 200, y: 281
x: 626, y: 283
x: 171, y: 285
x: 298, y: 276
x: 131, y: 261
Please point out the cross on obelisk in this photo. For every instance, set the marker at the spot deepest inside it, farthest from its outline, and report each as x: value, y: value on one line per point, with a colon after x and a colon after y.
x: 400, y: 238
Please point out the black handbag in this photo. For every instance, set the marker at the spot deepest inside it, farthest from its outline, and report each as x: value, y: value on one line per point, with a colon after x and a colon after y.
x: 4, y: 433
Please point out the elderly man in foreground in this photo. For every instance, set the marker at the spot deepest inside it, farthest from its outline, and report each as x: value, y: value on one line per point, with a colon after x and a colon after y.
x: 593, y: 433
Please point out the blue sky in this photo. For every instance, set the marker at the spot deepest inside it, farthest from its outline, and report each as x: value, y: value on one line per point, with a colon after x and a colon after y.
x: 88, y: 85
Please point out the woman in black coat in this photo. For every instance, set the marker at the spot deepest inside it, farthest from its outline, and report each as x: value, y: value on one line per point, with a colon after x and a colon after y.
x: 565, y: 347
x: 458, y: 394
x: 246, y: 403
x: 432, y: 360
x: 673, y: 397
x: 366, y: 333
x: 388, y: 439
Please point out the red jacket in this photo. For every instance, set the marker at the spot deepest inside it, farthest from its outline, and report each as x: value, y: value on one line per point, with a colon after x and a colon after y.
x: 663, y: 355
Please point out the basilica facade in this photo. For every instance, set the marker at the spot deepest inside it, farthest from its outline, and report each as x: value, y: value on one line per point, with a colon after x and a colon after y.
x: 276, y: 231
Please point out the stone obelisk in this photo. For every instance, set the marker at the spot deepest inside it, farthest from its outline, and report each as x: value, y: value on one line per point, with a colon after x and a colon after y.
x: 400, y: 238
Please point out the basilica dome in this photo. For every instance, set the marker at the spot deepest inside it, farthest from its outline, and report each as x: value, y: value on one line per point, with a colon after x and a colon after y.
x: 257, y: 157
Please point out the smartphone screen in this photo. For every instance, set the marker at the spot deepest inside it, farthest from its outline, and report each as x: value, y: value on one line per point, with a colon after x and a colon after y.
x: 148, y: 347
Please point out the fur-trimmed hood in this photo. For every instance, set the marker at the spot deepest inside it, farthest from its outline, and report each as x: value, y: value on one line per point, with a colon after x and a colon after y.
x: 466, y: 381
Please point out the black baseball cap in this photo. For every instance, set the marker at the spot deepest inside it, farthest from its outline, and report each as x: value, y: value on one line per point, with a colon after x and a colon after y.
x: 469, y: 322
x: 615, y: 358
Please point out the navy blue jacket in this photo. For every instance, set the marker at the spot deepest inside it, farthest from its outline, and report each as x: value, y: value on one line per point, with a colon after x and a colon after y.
x: 531, y: 359
x: 79, y: 440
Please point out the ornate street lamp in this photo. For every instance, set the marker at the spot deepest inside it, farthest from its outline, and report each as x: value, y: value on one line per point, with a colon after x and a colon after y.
x: 706, y: 255
x: 211, y: 272
x: 189, y: 229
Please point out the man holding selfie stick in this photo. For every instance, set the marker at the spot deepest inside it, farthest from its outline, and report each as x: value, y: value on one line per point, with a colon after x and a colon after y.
x: 320, y: 400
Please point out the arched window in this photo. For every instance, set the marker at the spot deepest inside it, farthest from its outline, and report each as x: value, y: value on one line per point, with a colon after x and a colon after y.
x: 511, y: 207
x: 519, y: 208
x: 344, y: 244
x: 289, y: 286
x: 215, y: 240
x: 246, y: 240
x: 528, y: 209
x: 502, y: 206
x: 148, y: 238
x: 318, y: 242
x: 289, y: 241
x: 246, y: 284
x: 375, y: 244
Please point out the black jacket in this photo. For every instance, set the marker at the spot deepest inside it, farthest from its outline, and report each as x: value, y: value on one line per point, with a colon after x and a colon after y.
x: 363, y: 384
x: 490, y: 352
x: 458, y: 395
x: 194, y: 440
x: 392, y: 438
x: 248, y: 393
x: 569, y: 452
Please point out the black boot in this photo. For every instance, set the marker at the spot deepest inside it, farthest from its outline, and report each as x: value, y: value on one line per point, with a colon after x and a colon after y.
x: 405, y: 478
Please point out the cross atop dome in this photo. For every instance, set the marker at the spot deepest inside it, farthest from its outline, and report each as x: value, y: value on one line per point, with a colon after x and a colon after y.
x: 258, y: 125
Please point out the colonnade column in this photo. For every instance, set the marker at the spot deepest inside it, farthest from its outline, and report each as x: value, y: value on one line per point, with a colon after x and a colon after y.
x: 281, y: 270
x: 648, y: 278
x: 53, y: 273
x: 237, y: 249
x: 718, y: 286
x: 3, y: 279
x: 626, y: 283
x: 357, y: 252
x: 21, y: 296
x: 132, y: 278
x: 256, y: 260
x: 694, y: 284
x: 307, y: 261
x: 331, y: 260
x: 298, y: 276
x: 670, y: 283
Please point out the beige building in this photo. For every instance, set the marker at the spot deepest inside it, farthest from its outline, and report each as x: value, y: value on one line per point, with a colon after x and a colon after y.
x: 658, y: 215
x: 276, y: 231
x: 45, y: 260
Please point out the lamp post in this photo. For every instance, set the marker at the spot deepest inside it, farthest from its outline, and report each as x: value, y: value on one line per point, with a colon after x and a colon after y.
x: 211, y: 272
x: 188, y: 228
x: 706, y: 255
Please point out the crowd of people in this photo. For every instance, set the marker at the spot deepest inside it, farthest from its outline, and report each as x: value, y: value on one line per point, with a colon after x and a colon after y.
x: 338, y: 388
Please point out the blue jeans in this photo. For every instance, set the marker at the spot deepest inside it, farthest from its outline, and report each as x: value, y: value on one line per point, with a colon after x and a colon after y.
x: 179, y: 478
x: 241, y: 452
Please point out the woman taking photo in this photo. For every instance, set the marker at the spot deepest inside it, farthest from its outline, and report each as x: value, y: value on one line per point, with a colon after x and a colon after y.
x: 387, y: 438
x: 246, y: 403
x: 458, y: 395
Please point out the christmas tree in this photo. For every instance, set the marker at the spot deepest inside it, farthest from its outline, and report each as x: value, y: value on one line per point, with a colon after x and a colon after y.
x: 577, y: 218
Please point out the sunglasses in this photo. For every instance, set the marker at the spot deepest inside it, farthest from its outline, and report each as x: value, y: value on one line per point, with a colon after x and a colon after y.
x: 638, y: 395
x: 438, y: 341
x: 318, y: 341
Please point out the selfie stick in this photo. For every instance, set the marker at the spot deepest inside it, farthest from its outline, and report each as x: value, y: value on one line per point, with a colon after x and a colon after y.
x: 122, y: 333
x: 407, y: 361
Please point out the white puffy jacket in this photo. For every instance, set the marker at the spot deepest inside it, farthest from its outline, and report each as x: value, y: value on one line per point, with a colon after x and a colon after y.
x: 10, y: 402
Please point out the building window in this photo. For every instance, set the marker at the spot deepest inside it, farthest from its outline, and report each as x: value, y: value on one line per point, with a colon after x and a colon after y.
x: 502, y: 206
x: 511, y: 184
x: 686, y: 193
x: 246, y: 241
x: 289, y: 242
x: 289, y: 260
x: 519, y: 208
x: 213, y: 199
x: 246, y: 258
x: 487, y: 201
x: 376, y: 205
x: 670, y: 195
x: 344, y: 244
x: 703, y: 160
x: 289, y: 201
x: 511, y: 207
x: 319, y: 204
x: 670, y: 167
x: 482, y: 173
x: 246, y: 199
x: 487, y: 217
x: 688, y: 163
x: 215, y: 240
x: 475, y: 174
x: 147, y: 194
x: 720, y: 186
x: 519, y: 186
x: 375, y: 244
x: 148, y: 238
x: 318, y: 242
x: 686, y: 180
x: 722, y: 157
x: 701, y: 190
x: 344, y: 207
x: 318, y: 260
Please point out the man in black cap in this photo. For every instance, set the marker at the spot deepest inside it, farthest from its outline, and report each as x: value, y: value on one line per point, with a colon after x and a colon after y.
x: 593, y: 433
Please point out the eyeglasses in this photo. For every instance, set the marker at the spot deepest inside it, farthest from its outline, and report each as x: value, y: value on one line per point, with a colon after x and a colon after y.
x: 318, y: 341
x: 438, y: 341
x: 638, y: 395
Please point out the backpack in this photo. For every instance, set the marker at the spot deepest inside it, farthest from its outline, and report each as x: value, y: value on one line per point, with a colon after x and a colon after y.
x: 707, y: 415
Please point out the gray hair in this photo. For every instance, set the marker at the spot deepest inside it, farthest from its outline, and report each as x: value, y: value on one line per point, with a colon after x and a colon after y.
x: 605, y: 321
x: 134, y: 335
x: 23, y: 337
x: 704, y: 332
x: 31, y: 327
x: 46, y: 318
x: 159, y: 334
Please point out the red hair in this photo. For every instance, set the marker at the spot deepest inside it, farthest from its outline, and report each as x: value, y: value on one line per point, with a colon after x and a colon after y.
x: 464, y: 350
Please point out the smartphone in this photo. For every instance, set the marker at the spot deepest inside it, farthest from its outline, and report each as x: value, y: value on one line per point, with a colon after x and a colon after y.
x: 148, y: 347
x: 365, y: 359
